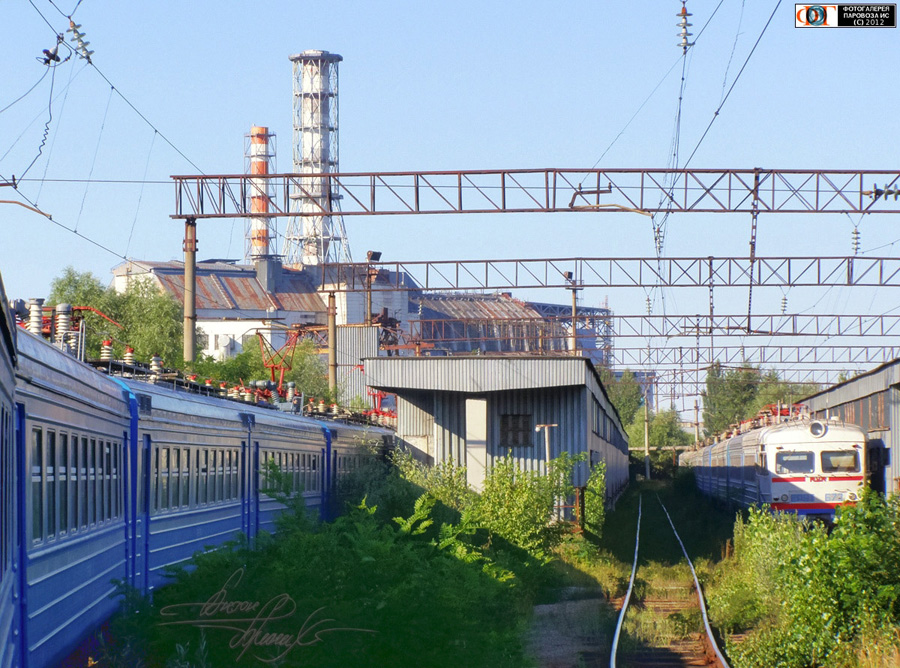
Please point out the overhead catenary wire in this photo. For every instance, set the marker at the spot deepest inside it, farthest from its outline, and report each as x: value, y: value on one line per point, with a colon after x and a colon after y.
x: 46, y: 125
x: 137, y: 209
x: 94, y: 160
x: 25, y: 94
x: 55, y: 135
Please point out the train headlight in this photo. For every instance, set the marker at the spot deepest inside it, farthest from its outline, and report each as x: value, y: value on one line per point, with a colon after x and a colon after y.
x: 817, y: 429
x: 784, y: 497
x: 851, y: 496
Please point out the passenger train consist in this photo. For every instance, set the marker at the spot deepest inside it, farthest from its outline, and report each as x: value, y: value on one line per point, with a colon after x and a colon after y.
x: 809, y: 467
x: 107, y: 478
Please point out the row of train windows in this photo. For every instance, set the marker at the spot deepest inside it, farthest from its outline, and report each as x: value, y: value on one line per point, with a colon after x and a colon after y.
x: 7, y: 490
x: 75, y: 482
x: 300, y: 471
x: 797, y: 461
x: 185, y: 477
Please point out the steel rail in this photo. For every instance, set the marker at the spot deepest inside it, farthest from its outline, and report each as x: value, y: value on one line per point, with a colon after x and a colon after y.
x: 709, y: 632
x: 637, y: 542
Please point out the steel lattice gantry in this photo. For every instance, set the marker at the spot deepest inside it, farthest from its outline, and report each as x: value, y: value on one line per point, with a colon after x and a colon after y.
x: 732, y: 355
x: 685, y: 272
x: 547, y: 191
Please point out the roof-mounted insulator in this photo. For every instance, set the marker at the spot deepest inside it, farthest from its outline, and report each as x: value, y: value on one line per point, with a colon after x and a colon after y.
x: 684, y: 25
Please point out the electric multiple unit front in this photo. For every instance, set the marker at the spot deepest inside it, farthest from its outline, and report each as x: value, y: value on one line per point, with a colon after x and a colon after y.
x: 806, y: 467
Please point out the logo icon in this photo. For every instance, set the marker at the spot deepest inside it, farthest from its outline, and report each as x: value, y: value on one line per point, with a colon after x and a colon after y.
x: 816, y: 16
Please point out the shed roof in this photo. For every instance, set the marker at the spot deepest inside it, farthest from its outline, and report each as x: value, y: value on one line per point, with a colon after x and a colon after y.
x: 475, y: 374
x: 877, y: 380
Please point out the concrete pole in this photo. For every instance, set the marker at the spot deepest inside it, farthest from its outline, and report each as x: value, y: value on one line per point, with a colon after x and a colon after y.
x: 190, y: 290
x: 696, y: 423
x: 332, y: 343
x: 647, y: 432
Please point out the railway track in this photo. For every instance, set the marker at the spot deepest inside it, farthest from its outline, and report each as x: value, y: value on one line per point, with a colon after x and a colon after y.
x: 661, y: 628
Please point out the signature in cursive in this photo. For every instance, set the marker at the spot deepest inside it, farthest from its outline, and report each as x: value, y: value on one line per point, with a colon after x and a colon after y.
x: 250, y: 621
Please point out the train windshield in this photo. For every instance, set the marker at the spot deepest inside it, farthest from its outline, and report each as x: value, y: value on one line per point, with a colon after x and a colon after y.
x: 794, y: 462
x: 840, y: 461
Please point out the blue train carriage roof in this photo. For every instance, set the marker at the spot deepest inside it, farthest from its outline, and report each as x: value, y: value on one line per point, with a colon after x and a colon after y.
x: 7, y: 326
x: 43, y: 363
x: 348, y: 434
x: 216, y: 408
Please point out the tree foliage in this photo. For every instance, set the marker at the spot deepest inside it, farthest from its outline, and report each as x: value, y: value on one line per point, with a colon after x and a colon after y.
x: 151, y: 321
x: 665, y: 430
x: 733, y: 395
x: 624, y: 393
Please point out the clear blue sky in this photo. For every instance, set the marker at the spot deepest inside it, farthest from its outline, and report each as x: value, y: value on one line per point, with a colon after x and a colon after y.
x: 426, y: 85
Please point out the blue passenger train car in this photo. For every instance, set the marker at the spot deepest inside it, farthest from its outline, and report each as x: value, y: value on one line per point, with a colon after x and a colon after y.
x: 117, y: 478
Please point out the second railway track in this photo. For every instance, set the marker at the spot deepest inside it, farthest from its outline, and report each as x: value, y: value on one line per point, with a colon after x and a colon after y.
x: 663, y: 625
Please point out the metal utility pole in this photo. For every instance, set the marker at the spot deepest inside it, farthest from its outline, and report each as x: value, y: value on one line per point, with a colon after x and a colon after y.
x: 573, y: 286
x: 696, y: 423
x: 190, y: 290
x: 332, y: 343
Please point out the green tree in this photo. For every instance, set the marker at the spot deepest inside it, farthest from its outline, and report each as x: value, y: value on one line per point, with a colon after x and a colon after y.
x: 624, y: 393
x: 665, y: 430
x: 729, y: 396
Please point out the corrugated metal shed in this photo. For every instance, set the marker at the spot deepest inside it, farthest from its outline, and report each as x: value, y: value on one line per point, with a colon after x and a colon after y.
x: 876, y: 380
x: 476, y: 374
x: 511, y: 397
x: 872, y: 401
x: 476, y: 307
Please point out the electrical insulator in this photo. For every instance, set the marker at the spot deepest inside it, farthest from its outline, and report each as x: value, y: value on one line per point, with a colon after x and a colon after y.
x: 855, y: 242
x: 649, y: 306
x: 684, y: 25
x: 877, y: 192
x: 78, y: 38
x: 784, y: 304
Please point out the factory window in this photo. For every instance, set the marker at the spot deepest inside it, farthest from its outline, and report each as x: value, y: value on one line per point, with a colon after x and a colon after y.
x: 515, y: 430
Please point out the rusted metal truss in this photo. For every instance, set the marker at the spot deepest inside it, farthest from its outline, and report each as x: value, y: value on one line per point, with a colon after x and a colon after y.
x: 685, y: 272
x: 764, y: 356
x: 543, y: 190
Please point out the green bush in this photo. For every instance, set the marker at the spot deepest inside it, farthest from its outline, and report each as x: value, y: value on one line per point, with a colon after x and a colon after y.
x: 595, y: 500
x: 812, y: 595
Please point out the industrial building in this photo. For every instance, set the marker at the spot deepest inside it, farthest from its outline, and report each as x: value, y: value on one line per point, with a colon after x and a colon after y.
x: 872, y: 401
x: 474, y: 409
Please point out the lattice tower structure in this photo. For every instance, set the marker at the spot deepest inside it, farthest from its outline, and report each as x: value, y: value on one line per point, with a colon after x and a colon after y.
x: 312, y: 240
x: 259, y: 161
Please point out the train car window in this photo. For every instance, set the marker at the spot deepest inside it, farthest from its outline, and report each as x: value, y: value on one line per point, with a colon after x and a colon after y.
x: 65, y: 473
x: 762, y: 468
x: 797, y: 461
x: 162, y: 485
x: 37, y: 496
x: 93, y: 488
x: 83, y: 483
x: 227, y: 454
x: 840, y: 461
x: 176, y: 477
x: 107, y: 482
x: 220, y: 476
x: 50, y: 476
x: 186, y: 478
x: 116, y: 484
x: 235, y: 479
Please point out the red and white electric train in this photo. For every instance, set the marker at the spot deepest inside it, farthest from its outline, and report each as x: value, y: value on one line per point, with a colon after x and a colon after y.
x: 809, y: 467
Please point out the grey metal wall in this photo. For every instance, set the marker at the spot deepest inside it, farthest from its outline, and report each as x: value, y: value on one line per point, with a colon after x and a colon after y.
x: 353, y: 345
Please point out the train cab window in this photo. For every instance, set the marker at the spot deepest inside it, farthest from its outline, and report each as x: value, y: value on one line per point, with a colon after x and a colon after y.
x: 840, y: 461
x: 797, y: 461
